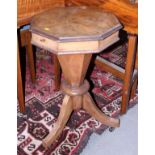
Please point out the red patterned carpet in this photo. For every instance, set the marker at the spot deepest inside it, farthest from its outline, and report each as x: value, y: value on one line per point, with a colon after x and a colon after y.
x: 43, y: 105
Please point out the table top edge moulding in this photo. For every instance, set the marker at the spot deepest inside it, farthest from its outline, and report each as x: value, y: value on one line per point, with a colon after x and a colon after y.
x: 82, y: 28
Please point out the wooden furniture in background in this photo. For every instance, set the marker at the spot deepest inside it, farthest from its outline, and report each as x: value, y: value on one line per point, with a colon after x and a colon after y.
x: 94, y: 3
x: 20, y: 91
x: 56, y: 30
x: 127, y: 13
x: 25, y: 37
x: 129, y: 75
x: 24, y: 42
x: 28, y: 8
x: 25, y: 11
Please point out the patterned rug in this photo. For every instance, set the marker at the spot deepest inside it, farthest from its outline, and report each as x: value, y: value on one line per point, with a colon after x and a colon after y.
x: 43, y: 106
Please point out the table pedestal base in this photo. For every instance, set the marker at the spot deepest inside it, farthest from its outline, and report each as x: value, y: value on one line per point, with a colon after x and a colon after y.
x: 74, y: 68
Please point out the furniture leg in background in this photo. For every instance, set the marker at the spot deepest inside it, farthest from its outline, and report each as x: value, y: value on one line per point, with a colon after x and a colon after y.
x: 29, y: 51
x: 26, y: 41
x: 129, y: 72
x: 20, y: 91
x: 127, y: 13
x: 129, y: 75
x: 135, y: 80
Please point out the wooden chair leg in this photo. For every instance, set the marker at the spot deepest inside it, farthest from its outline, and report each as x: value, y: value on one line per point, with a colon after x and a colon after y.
x: 30, y: 57
x: 135, y: 83
x: 20, y: 92
x: 134, y: 87
x: 57, y: 73
x: 132, y: 42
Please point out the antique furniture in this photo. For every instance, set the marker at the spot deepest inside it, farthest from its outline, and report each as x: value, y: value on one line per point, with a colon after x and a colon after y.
x: 123, y: 9
x: 127, y: 13
x: 74, y: 34
x: 25, y: 11
x: 20, y: 91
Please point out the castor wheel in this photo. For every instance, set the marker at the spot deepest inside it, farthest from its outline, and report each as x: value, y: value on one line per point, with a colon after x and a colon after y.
x: 111, y: 129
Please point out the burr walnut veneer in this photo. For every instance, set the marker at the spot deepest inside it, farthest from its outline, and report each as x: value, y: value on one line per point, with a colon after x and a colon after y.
x: 74, y: 34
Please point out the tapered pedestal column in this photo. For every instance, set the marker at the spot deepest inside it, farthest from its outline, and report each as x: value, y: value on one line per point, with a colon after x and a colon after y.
x: 74, y: 67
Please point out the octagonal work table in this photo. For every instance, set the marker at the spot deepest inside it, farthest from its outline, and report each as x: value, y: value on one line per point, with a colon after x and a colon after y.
x: 74, y: 34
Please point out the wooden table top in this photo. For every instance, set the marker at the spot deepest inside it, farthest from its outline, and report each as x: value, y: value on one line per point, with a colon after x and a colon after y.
x: 75, y: 23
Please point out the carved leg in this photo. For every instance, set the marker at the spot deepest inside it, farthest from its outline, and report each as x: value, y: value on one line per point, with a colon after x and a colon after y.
x: 89, y: 106
x: 64, y: 115
x: 74, y: 67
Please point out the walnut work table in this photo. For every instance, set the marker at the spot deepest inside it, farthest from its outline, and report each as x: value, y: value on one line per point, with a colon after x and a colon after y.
x: 74, y: 34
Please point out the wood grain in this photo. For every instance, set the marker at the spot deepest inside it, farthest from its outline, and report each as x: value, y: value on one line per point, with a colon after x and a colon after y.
x: 20, y: 91
x: 95, y: 3
x: 91, y: 108
x: 126, y: 12
x: 96, y: 30
x: 80, y: 24
x: 57, y: 73
x: 74, y: 67
x: 30, y: 56
x: 29, y: 8
x: 129, y: 68
x: 57, y: 47
x: 23, y: 38
x: 107, y: 66
x: 77, y: 102
x: 59, y: 23
x: 64, y: 115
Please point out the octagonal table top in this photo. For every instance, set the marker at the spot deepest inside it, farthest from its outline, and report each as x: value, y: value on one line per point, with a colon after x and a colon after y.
x: 75, y: 23
x: 72, y: 30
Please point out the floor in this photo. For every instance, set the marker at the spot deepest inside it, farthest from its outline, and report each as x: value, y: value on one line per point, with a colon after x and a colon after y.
x: 122, y: 141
